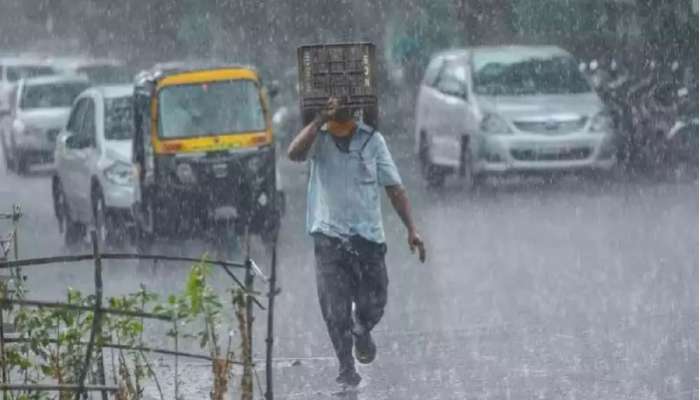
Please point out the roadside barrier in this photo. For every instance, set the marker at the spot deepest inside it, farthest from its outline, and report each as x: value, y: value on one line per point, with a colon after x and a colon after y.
x: 93, y: 350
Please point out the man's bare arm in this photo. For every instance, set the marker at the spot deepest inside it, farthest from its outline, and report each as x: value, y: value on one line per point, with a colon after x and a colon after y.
x: 299, y: 148
x: 399, y: 200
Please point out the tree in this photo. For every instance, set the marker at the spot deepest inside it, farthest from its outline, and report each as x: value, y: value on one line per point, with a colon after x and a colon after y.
x: 486, y: 22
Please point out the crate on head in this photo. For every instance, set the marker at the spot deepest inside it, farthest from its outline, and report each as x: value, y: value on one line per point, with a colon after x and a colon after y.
x: 347, y: 71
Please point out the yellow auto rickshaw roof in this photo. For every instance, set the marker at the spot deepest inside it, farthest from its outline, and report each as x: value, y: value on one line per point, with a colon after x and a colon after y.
x: 206, y: 75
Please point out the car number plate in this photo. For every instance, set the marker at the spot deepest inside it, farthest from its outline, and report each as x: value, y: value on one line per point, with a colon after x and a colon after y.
x: 220, y: 170
x: 552, y: 150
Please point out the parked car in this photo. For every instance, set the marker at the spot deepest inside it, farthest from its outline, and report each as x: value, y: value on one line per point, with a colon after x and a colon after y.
x: 38, y: 111
x: 286, y: 118
x: 12, y: 69
x: 92, y: 184
x: 495, y: 110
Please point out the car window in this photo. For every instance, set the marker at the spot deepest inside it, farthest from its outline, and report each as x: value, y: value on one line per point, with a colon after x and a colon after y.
x: 51, y: 95
x: 88, y: 127
x: 106, y: 74
x: 15, y: 73
x: 432, y: 71
x: 515, y: 74
x: 453, y: 79
x: 210, y: 109
x: 119, y: 118
x: 76, y: 116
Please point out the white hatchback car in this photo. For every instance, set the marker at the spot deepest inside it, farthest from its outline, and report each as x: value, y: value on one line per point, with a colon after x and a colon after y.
x: 39, y: 110
x: 493, y: 110
x: 92, y: 185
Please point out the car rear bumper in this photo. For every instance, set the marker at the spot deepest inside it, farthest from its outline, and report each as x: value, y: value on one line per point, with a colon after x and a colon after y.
x: 501, y: 153
x: 37, y: 142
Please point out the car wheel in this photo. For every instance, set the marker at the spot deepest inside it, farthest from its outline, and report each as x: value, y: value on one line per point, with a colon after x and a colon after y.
x: 142, y: 240
x: 6, y: 155
x: 73, y: 232
x: 21, y: 164
x: 110, y: 232
x: 470, y: 178
x: 11, y: 162
x: 226, y: 241
x: 433, y: 174
x: 100, y: 220
x: 9, y: 167
x: 59, y: 204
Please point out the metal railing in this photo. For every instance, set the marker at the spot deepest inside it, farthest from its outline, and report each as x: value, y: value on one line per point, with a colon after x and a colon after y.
x: 251, y: 271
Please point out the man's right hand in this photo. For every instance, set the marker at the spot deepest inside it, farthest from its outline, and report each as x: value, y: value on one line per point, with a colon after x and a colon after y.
x: 301, y: 144
x: 328, y: 112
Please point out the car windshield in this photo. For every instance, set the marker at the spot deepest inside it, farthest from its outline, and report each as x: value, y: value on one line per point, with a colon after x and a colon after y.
x: 119, y: 119
x: 210, y: 109
x: 16, y: 73
x: 106, y: 74
x: 501, y: 76
x: 51, y: 95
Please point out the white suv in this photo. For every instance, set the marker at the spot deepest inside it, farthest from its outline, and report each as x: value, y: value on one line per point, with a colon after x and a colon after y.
x: 38, y: 111
x: 12, y: 69
x: 493, y: 110
x: 92, y: 185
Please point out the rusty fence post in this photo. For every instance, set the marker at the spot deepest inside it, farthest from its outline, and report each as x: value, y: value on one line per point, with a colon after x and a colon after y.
x: 96, y: 323
x: 16, y: 214
x: 249, y: 282
x: 2, y: 344
x: 269, y: 340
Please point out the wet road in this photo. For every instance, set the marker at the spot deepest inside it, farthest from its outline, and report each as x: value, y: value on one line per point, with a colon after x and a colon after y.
x: 577, y: 289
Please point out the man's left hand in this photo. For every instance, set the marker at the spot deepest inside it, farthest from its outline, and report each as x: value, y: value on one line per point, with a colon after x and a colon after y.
x: 415, y: 242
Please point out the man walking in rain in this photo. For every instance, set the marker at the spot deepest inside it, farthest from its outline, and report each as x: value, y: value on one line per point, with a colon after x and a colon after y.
x: 349, y: 163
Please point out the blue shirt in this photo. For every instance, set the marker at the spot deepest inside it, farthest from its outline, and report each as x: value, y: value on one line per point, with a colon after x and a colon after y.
x: 343, y: 193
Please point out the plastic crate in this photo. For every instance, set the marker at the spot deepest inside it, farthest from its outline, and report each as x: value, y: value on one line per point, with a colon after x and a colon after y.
x: 346, y: 70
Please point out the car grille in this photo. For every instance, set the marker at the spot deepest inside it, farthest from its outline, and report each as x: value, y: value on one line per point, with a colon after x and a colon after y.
x: 578, y: 153
x: 552, y: 127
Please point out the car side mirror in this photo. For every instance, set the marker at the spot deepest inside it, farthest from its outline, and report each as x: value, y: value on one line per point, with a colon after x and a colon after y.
x: 78, y: 142
x: 273, y: 89
x: 456, y: 91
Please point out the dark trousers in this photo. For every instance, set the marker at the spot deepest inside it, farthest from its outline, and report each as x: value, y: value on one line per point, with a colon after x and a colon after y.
x: 348, y: 272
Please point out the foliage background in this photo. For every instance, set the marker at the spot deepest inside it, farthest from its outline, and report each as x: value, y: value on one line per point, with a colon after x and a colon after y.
x: 408, y: 31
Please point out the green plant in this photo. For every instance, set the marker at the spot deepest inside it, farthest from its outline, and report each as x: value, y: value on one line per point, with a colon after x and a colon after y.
x: 52, y: 340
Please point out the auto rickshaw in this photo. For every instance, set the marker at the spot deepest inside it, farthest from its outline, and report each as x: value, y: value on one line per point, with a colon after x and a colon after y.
x: 203, y: 152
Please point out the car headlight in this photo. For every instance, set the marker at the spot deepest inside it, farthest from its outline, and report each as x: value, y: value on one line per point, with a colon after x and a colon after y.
x: 119, y: 173
x: 495, y: 125
x: 601, y: 122
x: 20, y: 127
x: 185, y: 173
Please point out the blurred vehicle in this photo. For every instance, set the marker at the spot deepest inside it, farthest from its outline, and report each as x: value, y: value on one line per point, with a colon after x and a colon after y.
x: 204, y: 154
x: 682, y: 138
x: 92, y: 183
x: 286, y: 119
x: 12, y: 69
x: 100, y: 71
x: 39, y: 110
x: 662, y: 134
x: 495, y: 110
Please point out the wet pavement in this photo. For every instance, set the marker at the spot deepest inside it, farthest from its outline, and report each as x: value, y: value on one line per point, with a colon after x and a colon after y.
x: 577, y: 289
